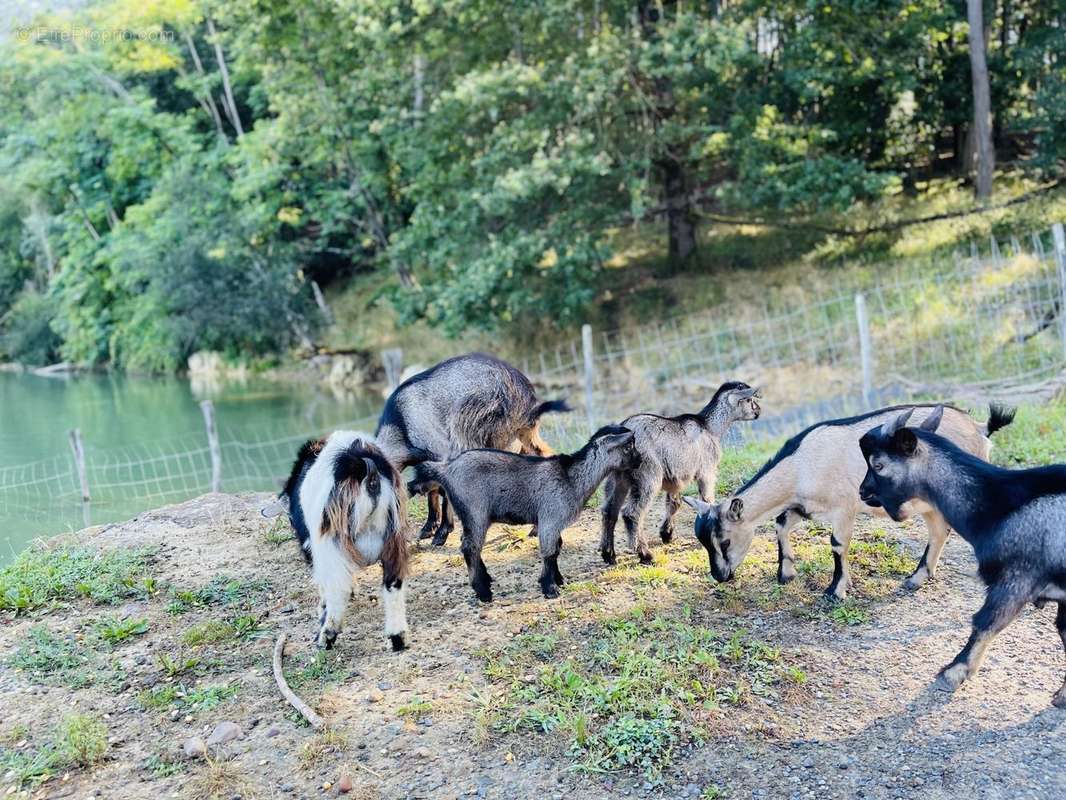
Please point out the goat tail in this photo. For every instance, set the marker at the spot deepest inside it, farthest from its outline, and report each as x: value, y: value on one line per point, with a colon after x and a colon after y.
x: 550, y: 407
x: 999, y: 416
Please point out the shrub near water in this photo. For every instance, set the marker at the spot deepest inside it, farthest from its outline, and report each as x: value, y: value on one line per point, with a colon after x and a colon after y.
x: 39, y: 577
x: 634, y: 691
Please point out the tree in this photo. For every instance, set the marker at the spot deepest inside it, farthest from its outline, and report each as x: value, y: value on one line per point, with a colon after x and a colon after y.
x: 985, y: 154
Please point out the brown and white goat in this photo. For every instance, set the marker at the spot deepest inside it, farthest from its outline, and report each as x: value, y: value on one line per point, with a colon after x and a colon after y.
x: 347, y: 505
x: 816, y: 475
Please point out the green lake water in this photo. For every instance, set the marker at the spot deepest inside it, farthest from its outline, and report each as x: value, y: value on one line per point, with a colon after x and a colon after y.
x: 146, y: 444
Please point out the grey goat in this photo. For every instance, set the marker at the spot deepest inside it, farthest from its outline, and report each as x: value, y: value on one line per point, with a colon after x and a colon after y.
x: 470, y: 401
x: 1015, y: 520
x: 487, y: 486
x: 816, y: 475
x: 674, y: 451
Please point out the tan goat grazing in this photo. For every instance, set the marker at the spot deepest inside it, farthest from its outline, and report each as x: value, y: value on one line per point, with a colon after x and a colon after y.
x: 816, y: 475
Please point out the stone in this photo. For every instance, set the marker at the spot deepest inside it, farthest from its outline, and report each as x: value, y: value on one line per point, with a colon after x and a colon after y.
x: 344, y: 785
x: 375, y: 695
x: 194, y: 747
x: 224, y: 733
x: 273, y: 731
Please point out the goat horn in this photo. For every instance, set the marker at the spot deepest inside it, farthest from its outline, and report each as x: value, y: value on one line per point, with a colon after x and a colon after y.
x: 894, y: 425
x: 371, y: 467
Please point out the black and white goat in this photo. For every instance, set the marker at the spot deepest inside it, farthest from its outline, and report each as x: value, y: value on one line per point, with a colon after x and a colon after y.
x: 1015, y: 520
x: 463, y: 403
x: 816, y: 475
x: 487, y: 486
x: 347, y: 505
x: 674, y: 451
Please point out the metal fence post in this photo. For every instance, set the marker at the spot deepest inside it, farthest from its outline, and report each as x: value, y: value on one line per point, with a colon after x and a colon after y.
x: 865, y: 349
x: 79, y: 462
x: 212, y: 443
x: 590, y: 373
x: 1058, y: 236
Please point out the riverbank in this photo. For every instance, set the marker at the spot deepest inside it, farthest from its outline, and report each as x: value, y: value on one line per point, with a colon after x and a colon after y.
x: 138, y: 641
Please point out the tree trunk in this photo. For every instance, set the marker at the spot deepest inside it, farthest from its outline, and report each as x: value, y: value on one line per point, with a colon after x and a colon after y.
x: 680, y: 217
x: 681, y: 222
x: 982, y: 102
x: 229, y: 104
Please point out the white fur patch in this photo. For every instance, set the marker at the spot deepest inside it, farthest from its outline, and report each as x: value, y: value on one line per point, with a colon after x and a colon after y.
x: 395, y: 604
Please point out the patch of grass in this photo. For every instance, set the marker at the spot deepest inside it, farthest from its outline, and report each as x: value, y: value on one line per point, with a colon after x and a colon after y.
x: 847, y: 613
x: 279, y: 533
x: 416, y: 708
x: 169, y: 695
x: 78, y: 741
x: 41, y: 576
x: 212, y: 631
x: 221, y: 590
x: 644, y: 575
x: 45, y: 654
x: 159, y: 766
x: 116, y: 631
x: 880, y: 557
x: 218, y: 780
x: 318, y: 671
x: 327, y: 743
x: 636, y: 690
x: 1037, y: 436
x: 177, y: 664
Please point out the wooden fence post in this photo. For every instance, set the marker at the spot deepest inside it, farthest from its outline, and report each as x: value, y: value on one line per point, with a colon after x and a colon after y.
x: 79, y: 462
x: 590, y: 374
x: 865, y: 349
x: 212, y: 443
x: 1058, y: 237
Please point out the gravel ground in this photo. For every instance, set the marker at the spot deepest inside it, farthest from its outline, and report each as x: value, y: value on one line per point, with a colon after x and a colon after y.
x: 865, y: 724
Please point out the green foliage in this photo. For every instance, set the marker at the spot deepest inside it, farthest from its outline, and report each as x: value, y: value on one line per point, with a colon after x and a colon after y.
x: 116, y: 631
x: 41, y: 576
x: 637, y: 691
x: 221, y: 590
x: 78, y: 741
x: 50, y: 658
x: 472, y: 161
x: 167, y: 696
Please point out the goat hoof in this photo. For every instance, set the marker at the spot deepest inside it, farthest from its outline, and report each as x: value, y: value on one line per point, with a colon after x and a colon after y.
x: 440, y: 539
x: 667, y: 535
x: 786, y: 577
x: 1059, y: 700
x: 425, y: 533
x: 645, y: 557
x: 551, y: 591
x: 326, y: 640
x: 950, y: 678
x: 915, y: 581
x: 609, y: 556
x: 398, y: 643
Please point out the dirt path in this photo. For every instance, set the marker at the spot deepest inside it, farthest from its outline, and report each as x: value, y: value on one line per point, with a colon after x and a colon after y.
x: 855, y: 719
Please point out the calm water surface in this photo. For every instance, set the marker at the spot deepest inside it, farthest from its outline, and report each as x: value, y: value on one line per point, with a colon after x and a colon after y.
x: 146, y: 444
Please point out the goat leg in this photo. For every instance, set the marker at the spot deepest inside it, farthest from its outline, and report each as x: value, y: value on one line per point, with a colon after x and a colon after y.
x: 433, y: 499
x: 1002, y: 606
x: 447, y: 522
x: 673, y: 503
x: 472, y: 543
x: 786, y: 557
x: 938, y: 536
x: 843, y: 525
x: 615, y: 489
x: 1059, y: 699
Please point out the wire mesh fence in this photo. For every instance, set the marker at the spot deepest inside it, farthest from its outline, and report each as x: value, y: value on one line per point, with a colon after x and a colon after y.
x: 971, y: 325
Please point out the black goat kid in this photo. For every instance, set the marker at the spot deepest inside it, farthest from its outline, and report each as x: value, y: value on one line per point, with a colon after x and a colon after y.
x: 487, y: 486
x: 1015, y: 520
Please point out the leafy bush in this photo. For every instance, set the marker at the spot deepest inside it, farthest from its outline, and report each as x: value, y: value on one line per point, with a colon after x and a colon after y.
x: 27, y: 334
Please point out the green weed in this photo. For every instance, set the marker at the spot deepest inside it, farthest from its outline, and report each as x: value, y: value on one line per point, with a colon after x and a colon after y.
x: 212, y: 631
x: 416, y: 708
x: 221, y: 590
x: 319, y: 670
x: 847, y: 613
x: 40, y: 577
x: 78, y: 741
x: 636, y: 690
x: 168, y: 696
x: 116, y: 631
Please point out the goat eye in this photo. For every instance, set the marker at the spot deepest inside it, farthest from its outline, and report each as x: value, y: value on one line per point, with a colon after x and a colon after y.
x: 877, y: 467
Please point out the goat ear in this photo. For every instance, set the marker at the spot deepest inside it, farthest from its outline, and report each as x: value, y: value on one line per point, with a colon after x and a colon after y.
x: 890, y: 427
x: 906, y: 441
x: 736, y: 510
x: 697, y: 505
x: 371, y: 467
x: 933, y: 420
